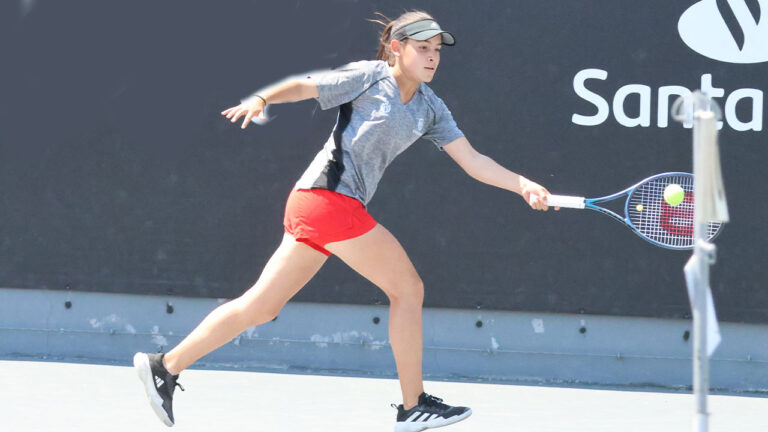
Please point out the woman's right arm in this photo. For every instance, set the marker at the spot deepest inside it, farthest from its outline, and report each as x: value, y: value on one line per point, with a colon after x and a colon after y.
x: 293, y: 90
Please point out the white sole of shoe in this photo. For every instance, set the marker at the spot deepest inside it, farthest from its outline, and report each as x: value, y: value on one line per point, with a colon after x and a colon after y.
x: 141, y: 364
x: 417, y: 427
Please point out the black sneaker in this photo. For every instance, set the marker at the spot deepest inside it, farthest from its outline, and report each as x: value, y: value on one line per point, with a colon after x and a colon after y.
x: 158, y: 383
x: 431, y: 412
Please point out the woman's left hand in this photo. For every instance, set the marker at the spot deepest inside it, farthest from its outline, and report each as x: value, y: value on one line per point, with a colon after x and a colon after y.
x: 535, y: 195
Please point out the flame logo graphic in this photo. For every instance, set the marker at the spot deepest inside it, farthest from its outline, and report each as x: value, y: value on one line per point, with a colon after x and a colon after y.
x: 733, y: 31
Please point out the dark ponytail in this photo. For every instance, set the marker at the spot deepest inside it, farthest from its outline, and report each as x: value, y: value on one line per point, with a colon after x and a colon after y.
x: 384, y: 51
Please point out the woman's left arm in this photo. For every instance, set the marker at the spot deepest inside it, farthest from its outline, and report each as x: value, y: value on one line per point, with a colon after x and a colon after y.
x: 486, y: 170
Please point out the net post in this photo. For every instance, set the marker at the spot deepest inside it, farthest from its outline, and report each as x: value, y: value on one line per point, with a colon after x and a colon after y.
x: 709, y: 205
x: 704, y: 136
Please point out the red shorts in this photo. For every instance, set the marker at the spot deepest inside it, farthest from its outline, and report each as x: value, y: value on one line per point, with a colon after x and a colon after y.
x: 319, y: 216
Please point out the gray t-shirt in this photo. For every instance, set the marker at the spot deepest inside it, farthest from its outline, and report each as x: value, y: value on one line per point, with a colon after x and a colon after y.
x: 372, y: 128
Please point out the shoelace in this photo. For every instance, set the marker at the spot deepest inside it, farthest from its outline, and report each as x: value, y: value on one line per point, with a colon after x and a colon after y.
x: 179, y: 386
x: 430, y: 400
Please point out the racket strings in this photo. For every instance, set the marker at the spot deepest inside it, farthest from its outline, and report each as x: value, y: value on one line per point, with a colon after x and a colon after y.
x: 654, y: 218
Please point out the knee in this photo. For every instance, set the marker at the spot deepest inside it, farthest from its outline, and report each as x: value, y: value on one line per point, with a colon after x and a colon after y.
x: 253, y: 313
x: 407, y: 292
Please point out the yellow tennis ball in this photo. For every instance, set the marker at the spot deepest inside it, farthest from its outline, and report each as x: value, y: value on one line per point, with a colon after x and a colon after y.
x: 639, y: 207
x: 674, y: 194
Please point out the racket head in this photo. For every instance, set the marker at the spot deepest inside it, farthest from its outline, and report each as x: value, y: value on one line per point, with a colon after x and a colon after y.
x: 650, y: 216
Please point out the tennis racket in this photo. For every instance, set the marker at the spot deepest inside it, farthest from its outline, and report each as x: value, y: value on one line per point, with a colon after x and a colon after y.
x: 647, y: 213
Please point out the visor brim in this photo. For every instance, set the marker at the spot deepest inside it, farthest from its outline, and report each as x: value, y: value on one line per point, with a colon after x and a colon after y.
x: 448, y: 38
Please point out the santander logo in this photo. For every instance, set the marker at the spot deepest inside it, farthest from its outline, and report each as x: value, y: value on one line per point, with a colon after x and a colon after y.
x: 732, y: 31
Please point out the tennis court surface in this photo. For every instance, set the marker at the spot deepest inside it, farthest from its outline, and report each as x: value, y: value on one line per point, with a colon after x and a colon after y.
x: 58, y: 396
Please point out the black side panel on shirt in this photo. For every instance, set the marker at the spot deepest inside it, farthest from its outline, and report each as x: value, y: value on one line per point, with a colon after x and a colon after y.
x: 331, y: 175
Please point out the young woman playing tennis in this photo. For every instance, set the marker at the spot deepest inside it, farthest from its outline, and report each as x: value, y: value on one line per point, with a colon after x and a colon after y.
x: 384, y: 107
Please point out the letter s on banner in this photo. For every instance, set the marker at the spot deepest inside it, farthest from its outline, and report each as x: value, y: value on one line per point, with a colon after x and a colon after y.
x: 593, y: 98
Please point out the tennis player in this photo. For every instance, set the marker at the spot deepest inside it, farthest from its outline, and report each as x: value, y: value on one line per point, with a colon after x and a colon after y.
x: 384, y: 107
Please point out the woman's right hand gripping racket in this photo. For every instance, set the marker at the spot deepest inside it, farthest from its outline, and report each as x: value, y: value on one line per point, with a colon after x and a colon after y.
x: 646, y: 211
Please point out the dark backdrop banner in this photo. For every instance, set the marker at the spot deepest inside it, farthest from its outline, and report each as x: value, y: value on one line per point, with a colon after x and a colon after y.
x: 119, y: 174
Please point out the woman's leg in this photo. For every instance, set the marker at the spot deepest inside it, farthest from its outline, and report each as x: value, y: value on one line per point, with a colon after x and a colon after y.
x: 287, y: 271
x: 379, y: 257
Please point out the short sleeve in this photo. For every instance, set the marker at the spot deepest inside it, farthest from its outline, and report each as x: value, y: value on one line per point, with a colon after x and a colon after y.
x: 443, y: 129
x: 339, y: 86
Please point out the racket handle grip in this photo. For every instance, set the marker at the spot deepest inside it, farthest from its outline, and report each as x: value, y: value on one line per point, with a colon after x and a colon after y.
x: 564, y: 201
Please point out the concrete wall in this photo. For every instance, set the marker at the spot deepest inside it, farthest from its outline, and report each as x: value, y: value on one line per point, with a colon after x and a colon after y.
x: 493, y: 346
